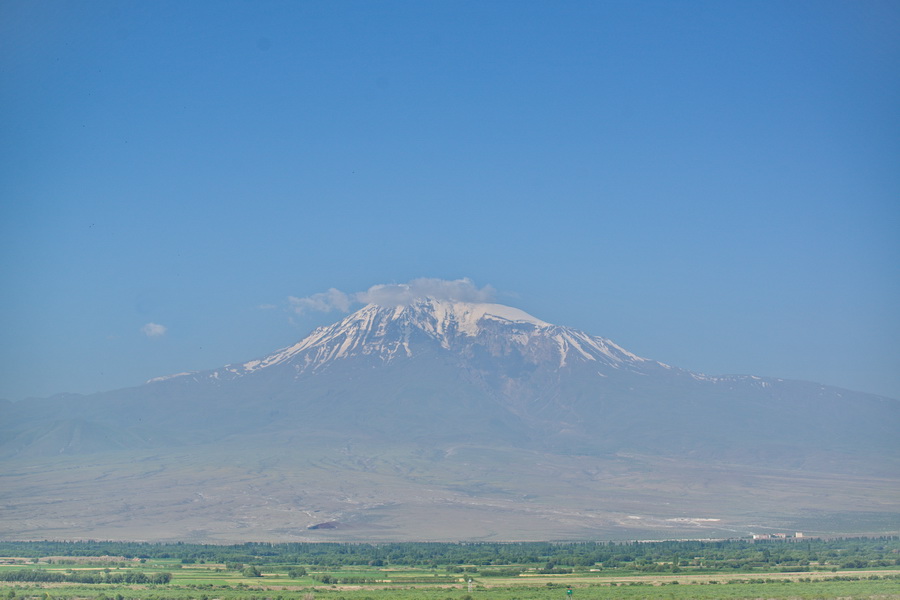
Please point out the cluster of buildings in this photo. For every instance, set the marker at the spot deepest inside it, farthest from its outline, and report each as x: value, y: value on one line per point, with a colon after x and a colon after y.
x: 777, y: 536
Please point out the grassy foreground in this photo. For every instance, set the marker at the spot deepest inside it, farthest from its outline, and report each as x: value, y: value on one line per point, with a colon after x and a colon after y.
x: 847, y: 569
x: 214, y: 581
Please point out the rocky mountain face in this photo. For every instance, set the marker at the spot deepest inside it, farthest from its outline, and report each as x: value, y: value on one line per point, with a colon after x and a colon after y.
x: 451, y: 371
x: 434, y: 376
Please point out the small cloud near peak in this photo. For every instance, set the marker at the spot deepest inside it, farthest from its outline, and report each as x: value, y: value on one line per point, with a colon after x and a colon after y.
x: 154, y: 330
x: 323, y: 302
x: 395, y: 294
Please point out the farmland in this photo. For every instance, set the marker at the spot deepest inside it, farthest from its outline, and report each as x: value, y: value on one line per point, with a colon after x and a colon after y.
x: 840, y: 568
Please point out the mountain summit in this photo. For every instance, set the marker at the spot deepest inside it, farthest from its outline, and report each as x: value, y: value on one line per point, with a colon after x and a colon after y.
x: 431, y: 369
x: 428, y: 325
x: 444, y: 400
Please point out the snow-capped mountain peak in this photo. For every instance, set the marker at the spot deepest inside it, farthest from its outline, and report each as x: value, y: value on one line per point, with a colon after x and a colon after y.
x: 388, y: 330
x: 392, y: 332
x: 441, y: 317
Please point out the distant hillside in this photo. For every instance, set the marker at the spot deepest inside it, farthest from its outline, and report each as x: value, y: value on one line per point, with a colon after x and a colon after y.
x: 448, y: 420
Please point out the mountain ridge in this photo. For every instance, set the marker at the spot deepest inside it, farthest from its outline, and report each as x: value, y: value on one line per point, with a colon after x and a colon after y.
x: 442, y: 321
x: 433, y: 405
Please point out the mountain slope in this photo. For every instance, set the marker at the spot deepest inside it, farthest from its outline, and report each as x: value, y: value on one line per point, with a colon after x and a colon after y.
x: 460, y: 371
x: 450, y: 407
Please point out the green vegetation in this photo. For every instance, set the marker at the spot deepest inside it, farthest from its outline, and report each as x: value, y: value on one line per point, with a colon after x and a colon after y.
x: 805, y: 568
x: 550, y: 557
x: 84, y: 576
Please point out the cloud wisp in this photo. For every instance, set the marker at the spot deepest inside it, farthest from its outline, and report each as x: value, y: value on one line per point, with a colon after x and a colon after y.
x: 154, y: 330
x: 322, y: 302
x: 395, y: 294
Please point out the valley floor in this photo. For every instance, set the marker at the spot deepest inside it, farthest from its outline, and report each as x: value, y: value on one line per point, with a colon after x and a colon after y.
x: 737, y: 569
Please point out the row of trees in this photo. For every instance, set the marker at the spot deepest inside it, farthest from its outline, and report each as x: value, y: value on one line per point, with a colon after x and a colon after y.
x: 726, y: 554
x: 33, y: 575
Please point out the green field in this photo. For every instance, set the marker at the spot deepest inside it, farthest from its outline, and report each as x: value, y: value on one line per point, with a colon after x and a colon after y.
x: 850, y: 568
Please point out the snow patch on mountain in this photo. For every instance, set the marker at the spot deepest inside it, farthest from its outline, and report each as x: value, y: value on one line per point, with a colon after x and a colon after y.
x: 386, y: 331
x: 389, y: 332
x: 467, y: 316
x: 168, y: 377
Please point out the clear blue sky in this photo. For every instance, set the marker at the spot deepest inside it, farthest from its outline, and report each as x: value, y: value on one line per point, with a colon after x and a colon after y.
x: 715, y: 185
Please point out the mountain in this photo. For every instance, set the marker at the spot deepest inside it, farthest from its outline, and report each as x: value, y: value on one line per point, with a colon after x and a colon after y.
x: 398, y: 421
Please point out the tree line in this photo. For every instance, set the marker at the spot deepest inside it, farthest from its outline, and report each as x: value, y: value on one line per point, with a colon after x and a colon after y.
x: 40, y: 575
x: 645, y: 556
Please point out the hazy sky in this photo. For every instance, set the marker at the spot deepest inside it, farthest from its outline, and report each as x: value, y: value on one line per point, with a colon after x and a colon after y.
x: 715, y: 185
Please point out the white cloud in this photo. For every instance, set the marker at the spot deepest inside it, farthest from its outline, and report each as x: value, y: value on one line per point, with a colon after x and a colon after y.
x: 395, y: 294
x: 324, y: 302
x: 154, y: 330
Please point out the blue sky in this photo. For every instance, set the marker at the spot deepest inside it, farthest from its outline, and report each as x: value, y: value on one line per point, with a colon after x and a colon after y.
x: 715, y: 185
